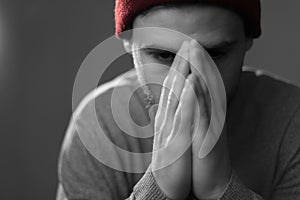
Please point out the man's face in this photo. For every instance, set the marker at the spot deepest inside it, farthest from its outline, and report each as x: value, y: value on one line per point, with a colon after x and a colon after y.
x: 219, y: 31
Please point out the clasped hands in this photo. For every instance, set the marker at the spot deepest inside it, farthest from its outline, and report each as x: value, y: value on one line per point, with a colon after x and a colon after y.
x: 181, y: 122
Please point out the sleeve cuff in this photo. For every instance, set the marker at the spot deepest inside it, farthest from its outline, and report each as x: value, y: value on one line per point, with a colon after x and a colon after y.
x: 237, y: 190
x: 147, y: 188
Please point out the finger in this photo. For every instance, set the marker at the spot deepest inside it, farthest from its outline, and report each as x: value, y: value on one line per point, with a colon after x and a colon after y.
x: 176, y: 156
x: 202, y: 64
x: 201, y: 118
x: 187, y: 99
x: 182, y: 56
x: 203, y: 97
x: 166, y: 94
x: 198, y: 65
x: 179, y: 80
x: 175, y: 159
x: 206, y: 95
x: 178, y: 74
x: 176, y: 65
x: 202, y: 112
x: 184, y: 113
x: 174, y: 147
x: 180, y: 125
x: 175, y: 92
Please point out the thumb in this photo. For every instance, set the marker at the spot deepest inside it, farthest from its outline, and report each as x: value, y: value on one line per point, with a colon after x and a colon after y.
x: 152, y: 112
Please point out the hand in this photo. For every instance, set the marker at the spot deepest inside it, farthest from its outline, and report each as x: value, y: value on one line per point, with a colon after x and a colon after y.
x: 211, y: 174
x: 172, y: 166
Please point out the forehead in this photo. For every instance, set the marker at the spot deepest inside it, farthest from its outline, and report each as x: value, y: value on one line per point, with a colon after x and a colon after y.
x: 208, y: 24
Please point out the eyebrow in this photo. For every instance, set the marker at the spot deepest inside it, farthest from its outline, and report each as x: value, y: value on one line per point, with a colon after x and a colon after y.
x: 158, y: 47
x: 220, y: 45
x: 207, y: 47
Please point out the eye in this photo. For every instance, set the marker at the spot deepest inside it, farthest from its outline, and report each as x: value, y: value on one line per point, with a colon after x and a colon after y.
x: 161, y: 56
x: 215, y: 54
x: 164, y: 56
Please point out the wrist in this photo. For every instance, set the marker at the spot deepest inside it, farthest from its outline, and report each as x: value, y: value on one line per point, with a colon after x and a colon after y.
x: 216, y: 189
x: 222, y: 188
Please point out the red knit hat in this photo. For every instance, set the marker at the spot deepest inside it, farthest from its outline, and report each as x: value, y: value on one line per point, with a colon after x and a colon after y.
x: 127, y: 10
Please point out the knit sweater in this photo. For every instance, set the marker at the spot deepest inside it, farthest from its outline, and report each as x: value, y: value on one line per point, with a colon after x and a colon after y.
x: 263, y: 130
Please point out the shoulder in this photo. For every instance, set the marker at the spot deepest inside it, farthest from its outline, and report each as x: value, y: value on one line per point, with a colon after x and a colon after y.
x: 101, y: 96
x: 87, y: 116
x: 263, y: 108
x: 269, y: 90
x: 104, y: 122
x: 264, y: 122
x: 94, y: 114
x: 277, y: 102
x: 83, y: 162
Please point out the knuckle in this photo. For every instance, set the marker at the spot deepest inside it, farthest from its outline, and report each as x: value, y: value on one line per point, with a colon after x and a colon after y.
x: 172, y: 102
x: 166, y: 81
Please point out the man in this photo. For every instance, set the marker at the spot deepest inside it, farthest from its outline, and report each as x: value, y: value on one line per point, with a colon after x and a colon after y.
x: 257, y: 155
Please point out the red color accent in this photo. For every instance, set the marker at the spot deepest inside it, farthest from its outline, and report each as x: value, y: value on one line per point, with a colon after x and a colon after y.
x: 127, y: 10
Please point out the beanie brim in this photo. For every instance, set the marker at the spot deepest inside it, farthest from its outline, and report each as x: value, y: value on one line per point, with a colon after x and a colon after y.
x: 127, y: 10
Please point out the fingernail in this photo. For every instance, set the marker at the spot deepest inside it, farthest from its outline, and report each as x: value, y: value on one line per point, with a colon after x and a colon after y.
x: 185, y: 54
x: 183, y: 49
x: 152, y: 111
x: 184, y: 45
x: 194, y: 42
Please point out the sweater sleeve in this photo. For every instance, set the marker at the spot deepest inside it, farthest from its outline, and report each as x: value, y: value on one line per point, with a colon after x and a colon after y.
x: 147, y: 188
x: 237, y: 190
x: 83, y: 177
x: 286, y: 187
x: 286, y: 181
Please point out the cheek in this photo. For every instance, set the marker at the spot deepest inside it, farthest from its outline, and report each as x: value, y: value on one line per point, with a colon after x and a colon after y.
x: 152, y: 74
x: 230, y: 69
x: 151, y: 70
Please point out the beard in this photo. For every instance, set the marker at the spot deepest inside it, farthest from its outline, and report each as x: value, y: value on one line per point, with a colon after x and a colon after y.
x: 148, y: 95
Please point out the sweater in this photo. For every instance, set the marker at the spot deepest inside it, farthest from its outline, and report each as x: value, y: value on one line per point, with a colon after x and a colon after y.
x: 263, y: 130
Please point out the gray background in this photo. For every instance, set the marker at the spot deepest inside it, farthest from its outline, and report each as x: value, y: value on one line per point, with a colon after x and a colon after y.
x: 47, y: 41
